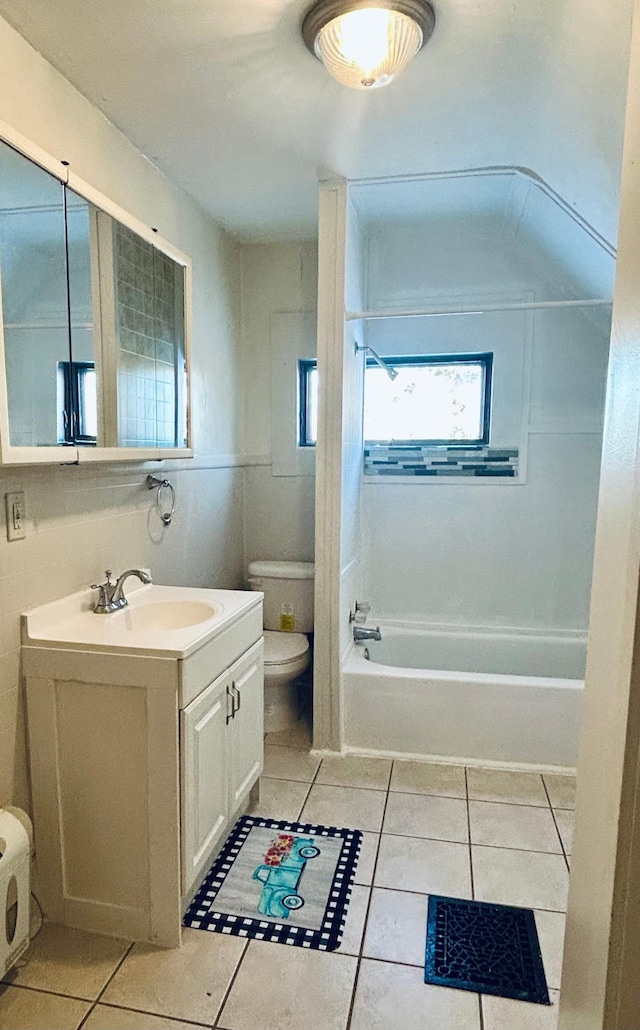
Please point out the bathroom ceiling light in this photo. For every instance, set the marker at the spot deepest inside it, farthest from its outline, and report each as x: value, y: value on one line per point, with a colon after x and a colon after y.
x: 367, y: 43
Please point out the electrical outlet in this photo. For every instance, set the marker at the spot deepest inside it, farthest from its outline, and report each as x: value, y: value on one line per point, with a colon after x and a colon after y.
x: 16, y: 516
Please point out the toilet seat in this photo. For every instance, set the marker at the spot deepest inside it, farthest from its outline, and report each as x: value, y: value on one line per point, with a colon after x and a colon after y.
x: 284, y: 649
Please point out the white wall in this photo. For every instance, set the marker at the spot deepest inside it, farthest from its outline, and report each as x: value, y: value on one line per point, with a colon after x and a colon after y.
x: 491, y: 553
x: 279, y: 512
x: 83, y: 520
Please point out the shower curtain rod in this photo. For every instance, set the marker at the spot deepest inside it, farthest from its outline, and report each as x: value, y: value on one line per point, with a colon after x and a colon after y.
x: 433, y: 312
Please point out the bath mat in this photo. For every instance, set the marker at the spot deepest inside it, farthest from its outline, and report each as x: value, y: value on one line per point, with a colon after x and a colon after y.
x: 491, y: 949
x: 278, y: 881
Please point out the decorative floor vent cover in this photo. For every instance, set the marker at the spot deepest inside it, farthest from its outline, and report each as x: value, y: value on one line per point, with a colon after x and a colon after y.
x: 491, y: 949
x: 278, y: 881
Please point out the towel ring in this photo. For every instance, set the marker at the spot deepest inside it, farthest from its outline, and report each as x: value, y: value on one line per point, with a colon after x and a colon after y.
x: 163, y: 484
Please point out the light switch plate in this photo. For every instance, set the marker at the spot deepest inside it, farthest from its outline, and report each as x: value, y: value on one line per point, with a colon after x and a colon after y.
x: 16, y: 516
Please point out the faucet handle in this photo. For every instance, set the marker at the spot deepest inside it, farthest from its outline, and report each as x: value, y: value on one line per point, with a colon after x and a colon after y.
x: 101, y: 586
x: 363, y: 609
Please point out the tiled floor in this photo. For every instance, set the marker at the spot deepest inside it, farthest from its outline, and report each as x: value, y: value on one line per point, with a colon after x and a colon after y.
x: 492, y: 835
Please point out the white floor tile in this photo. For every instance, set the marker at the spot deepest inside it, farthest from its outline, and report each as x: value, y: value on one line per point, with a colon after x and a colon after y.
x: 550, y: 927
x: 280, y: 799
x: 184, y: 983
x: 562, y: 790
x: 298, y: 735
x: 565, y: 821
x: 34, y: 1010
x: 289, y: 763
x: 397, y: 927
x: 367, y: 857
x: 425, y: 816
x: 513, y: 826
x: 505, y: 1014
x: 524, y: 878
x: 516, y: 788
x: 424, y: 866
x: 391, y: 996
x: 429, y: 778
x: 344, y: 807
x: 355, y: 771
x: 105, y: 1018
x: 69, y: 961
x: 354, y: 926
x: 285, y: 988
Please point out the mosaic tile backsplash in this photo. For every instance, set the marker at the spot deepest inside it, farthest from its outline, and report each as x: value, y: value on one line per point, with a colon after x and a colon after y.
x: 417, y: 460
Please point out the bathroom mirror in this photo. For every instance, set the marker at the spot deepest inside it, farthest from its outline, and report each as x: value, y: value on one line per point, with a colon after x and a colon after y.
x: 93, y: 324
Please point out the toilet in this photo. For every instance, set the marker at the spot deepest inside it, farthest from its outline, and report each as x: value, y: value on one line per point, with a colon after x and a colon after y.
x: 288, y: 618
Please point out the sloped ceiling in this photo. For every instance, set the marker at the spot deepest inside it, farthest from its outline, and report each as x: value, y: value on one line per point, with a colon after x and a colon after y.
x: 223, y: 96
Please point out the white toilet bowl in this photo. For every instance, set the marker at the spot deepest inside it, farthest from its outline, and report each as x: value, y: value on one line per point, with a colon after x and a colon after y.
x: 286, y: 656
x: 288, y: 591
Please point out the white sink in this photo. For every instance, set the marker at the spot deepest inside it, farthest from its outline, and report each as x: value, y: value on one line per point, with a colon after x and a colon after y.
x: 163, y: 615
x: 158, y: 620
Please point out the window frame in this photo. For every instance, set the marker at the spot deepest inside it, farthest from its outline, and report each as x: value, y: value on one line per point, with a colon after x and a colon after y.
x: 483, y: 358
x: 305, y: 367
x: 72, y: 374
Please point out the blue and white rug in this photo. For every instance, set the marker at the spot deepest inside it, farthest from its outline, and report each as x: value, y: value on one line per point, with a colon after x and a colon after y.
x: 278, y: 881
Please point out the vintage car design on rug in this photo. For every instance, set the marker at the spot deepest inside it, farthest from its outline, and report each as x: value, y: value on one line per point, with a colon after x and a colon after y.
x: 281, y: 872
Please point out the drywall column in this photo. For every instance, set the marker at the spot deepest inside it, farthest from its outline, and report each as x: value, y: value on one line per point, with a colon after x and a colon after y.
x: 338, y: 456
x: 601, y: 972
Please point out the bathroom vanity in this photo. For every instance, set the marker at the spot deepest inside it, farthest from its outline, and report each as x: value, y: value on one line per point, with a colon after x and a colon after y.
x: 145, y: 742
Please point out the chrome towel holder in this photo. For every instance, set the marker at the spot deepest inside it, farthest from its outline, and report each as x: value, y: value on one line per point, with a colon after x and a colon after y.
x: 153, y: 483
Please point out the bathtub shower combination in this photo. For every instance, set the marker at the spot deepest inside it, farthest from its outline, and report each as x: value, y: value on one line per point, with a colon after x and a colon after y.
x: 487, y: 696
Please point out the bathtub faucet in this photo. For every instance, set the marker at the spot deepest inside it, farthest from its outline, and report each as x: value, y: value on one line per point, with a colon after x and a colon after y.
x: 360, y: 634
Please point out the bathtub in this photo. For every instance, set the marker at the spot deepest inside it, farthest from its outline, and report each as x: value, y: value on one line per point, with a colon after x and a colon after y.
x: 485, y: 696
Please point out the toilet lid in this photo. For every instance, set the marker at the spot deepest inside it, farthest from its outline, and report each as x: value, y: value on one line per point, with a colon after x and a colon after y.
x: 280, y: 648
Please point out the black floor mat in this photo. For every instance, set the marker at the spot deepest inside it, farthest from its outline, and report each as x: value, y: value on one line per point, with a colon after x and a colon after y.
x: 491, y: 949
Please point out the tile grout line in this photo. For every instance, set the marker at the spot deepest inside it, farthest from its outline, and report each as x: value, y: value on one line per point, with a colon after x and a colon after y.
x: 311, y: 784
x: 473, y: 886
x: 230, y: 986
x: 484, y: 801
x: 104, y: 987
x: 466, y: 790
x: 494, y: 847
x: 366, y: 918
x: 46, y: 990
x: 145, y: 1012
x: 555, y: 823
x: 425, y: 894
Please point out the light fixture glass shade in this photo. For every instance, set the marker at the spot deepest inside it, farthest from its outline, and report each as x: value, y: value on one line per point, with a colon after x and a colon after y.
x: 368, y: 47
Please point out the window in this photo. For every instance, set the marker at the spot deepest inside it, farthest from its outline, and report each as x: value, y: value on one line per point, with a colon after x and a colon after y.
x: 442, y: 400
x: 439, y: 400
x: 307, y: 403
x: 77, y: 402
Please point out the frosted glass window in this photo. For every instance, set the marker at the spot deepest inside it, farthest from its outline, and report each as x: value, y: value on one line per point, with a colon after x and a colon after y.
x: 437, y: 400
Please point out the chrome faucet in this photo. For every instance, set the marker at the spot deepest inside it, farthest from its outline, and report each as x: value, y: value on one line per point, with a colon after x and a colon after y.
x: 360, y: 633
x: 110, y: 595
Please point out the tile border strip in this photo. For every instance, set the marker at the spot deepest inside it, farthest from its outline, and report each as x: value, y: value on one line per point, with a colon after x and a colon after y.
x: 424, y: 461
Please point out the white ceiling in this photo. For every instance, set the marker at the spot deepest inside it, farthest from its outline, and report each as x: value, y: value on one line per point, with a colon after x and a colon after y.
x: 224, y: 97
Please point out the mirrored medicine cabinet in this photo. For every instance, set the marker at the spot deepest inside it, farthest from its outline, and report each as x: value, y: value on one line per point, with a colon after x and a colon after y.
x: 93, y: 323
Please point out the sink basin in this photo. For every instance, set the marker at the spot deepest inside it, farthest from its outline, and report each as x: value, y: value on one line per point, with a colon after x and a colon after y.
x: 164, y: 615
x: 162, y: 621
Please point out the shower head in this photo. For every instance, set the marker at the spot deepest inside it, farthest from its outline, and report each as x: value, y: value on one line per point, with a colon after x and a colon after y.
x: 391, y: 372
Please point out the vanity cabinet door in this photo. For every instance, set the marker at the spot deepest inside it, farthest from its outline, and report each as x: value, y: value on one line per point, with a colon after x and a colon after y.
x: 246, y: 679
x: 204, y: 746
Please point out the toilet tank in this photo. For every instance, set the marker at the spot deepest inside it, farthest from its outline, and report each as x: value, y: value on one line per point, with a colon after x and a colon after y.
x: 288, y: 593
